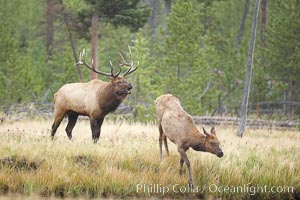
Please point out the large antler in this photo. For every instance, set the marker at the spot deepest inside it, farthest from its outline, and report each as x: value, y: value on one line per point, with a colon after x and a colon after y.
x: 82, y: 61
x: 130, y: 64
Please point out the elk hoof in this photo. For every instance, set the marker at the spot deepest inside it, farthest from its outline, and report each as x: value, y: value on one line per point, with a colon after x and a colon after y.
x: 191, y: 184
x: 95, y: 141
x: 181, y: 172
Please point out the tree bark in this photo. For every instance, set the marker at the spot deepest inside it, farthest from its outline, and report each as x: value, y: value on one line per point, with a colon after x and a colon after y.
x: 49, y: 29
x: 94, y: 46
x: 205, y: 91
x: 168, y: 5
x: 249, y: 66
x: 71, y: 39
x: 167, y: 11
x: 264, y: 20
x: 153, y: 19
x: 221, y: 100
x: 243, y: 22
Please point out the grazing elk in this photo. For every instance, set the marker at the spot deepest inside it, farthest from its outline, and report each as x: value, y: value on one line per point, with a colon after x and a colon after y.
x: 94, y: 99
x: 177, y: 125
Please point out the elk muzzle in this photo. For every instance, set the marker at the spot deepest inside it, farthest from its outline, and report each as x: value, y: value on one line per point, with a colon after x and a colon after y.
x: 220, y: 154
x: 129, y: 88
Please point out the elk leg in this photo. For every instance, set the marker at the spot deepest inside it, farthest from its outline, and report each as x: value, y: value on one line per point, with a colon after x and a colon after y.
x: 181, y: 166
x: 160, y: 140
x: 187, y: 162
x: 162, y: 137
x: 166, y: 145
x: 56, y: 123
x: 72, y: 121
x: 96, y: 128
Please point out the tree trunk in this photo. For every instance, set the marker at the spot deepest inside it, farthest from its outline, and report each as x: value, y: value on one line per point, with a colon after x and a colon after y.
x: 167, y: 10
x: 153, y: 19
x: 292, y: 95
x: 205, y: 91
x: 168, y: 5
x: 243, y: 111
x: 264, y: 20
x: 136, y: 95
x: 71, y: 39
x: 49, y: 29
x: 221, y: 100
x: 243, y: 22
x: 94, y: 44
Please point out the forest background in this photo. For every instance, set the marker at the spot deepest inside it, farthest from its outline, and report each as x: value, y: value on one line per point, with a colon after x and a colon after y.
x: 196, y: 50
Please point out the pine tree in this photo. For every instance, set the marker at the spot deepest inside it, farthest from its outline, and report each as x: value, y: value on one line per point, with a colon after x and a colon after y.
x: 129, y: 13
x: 188, y: 55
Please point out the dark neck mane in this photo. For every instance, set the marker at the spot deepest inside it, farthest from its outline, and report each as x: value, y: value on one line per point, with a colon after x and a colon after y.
x: 199, y: 145
x: 110, y: 100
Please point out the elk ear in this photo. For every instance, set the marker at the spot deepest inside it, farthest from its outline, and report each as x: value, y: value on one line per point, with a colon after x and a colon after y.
x: 213, y: 131
x: 205, y: 132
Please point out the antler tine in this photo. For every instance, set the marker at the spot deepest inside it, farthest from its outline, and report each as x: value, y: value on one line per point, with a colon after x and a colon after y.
x: 112, y: 70
x: 123, y: 61
x: 83, y: 54
x: 130, y: 70
x: 82, y: 61
x: 80, y: 58
x: 130, y: 64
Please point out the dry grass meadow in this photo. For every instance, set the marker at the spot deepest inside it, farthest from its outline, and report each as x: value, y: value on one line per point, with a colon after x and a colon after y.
x: 264, y: 164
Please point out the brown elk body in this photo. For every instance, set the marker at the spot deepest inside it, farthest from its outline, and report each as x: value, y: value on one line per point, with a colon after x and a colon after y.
x: 178, y: 126
x: 94, y: 99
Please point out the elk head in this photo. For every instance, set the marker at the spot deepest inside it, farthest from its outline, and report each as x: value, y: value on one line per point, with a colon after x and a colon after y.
x: 212, y: 143
x: 120, y: 86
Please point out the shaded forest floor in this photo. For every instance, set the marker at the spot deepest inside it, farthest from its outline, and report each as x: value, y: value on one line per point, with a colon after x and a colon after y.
x: 125, y: 163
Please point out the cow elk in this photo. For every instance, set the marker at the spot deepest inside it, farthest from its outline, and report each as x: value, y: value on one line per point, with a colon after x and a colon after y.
x: 94, y: 99
x: 178, y: 126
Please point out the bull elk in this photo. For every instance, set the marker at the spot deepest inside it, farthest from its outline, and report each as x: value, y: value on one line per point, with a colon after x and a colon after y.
x: 178, y: 126
x: 94, y: 99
